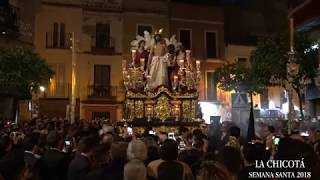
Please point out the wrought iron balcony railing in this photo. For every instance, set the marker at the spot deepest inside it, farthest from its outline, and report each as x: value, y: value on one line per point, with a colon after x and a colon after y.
x: 97, y: 91
x: 102, y: 45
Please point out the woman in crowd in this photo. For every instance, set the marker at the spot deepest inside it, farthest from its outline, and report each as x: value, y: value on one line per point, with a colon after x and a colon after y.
x: 56, y: 150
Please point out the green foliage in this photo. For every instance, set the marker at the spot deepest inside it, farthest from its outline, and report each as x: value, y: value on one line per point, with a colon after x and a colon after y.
x: 22, y: 71
x: 269, y: 60
x: 237, y: 77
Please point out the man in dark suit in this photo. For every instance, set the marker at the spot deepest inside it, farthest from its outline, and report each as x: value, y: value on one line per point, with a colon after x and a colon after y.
x: 53, y: 164
x: 11, y: 161
x: 81, y: 164
x: 31, y: 156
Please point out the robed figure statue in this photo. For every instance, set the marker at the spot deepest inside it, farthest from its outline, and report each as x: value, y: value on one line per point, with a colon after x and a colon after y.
x: 158, y: 63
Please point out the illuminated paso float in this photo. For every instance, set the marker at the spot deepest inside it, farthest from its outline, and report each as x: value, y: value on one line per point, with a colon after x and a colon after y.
x: 161, y: 82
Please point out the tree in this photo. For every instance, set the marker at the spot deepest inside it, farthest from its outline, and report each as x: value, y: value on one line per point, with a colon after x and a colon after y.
x: 237, y: 77
x: 22, y: 71
x: 269, y: 62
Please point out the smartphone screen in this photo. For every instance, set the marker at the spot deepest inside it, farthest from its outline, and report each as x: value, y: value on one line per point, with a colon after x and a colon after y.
x: 304, y: 134
x: 182, y: 146
x: 171, y: 136
x: 276, y: 140
x: 152, y: 132
x: 67, y: 142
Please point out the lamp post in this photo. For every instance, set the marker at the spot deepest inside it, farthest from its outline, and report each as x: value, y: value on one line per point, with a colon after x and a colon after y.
x: 73, y: 79
x: 292, y: 71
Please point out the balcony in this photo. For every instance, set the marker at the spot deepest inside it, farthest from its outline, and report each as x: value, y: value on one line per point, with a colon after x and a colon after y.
x: 58, y: 40
x: 104, y: 45
x: 9, y: 20
x: 102, y: 92
x: 115, y: 5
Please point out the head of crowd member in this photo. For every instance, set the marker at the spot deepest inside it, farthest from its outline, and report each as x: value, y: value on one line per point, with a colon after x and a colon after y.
x: 163, y: 136
x: 193, y: 158
x: 87, y: 145
x: 197, y: 134
x: 137, y: 150
x: 224, y: 126
x: 184, y: 132
x: 5, y: 145
x: 135, y: 170
x: 234, y: 132
x: 169, y: 150
x: 31, y: 142
x: 211, y: 170
x: 252, y: 152
x: 271, y: 130
x: 230, y: 158
x: 54, y: 140
x: 101, y: 155
x: 118, y: 151
x: 198, y: 144
x: 107, y: 139
x: 150, y: 140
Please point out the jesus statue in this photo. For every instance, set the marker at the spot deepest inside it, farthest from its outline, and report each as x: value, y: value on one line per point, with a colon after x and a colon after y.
x: 158, y: 63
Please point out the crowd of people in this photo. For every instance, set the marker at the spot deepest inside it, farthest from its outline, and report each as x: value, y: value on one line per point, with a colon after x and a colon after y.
x: 53, y: 149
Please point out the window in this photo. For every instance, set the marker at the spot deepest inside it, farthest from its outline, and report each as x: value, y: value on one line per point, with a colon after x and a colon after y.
x: 102, y: 75
x: 101, y: 87
x: 55, y: 34
x: 62, y: 35
x: 242, y: 61
x: 185, y: 38
x: 57, y: 38
x: 211, y: 86
x: 100, y: 115
x: 211, y: 44
x: 103, y: 35
x: 142, y: 28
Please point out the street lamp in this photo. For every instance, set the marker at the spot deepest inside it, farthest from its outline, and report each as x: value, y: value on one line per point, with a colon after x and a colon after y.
x: 42, y: 88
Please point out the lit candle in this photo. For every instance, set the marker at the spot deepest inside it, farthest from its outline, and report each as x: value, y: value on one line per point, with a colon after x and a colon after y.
x: 124, y: 63
x: 142, y: 63
x: 181, y: 62
x: 198, y: 64
x: 133, y: 54
x: 187, y: 73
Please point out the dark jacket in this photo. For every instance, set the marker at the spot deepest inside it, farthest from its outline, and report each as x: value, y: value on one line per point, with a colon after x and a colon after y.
x: 115, y: 170
x: 79, y: 168
x: 98, y: 172
x: 11, y: 165
x: 32, y: 165
x: 53, y: 165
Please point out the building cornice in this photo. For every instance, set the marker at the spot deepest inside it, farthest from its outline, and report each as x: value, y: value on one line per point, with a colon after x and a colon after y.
x: 197, y: 21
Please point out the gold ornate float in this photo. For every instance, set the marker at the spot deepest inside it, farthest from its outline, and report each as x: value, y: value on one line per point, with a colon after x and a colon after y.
x: 161, y: 85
